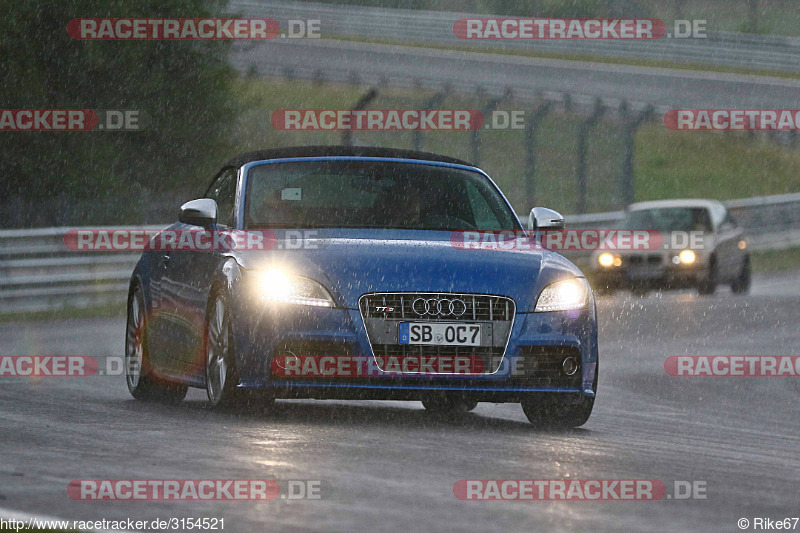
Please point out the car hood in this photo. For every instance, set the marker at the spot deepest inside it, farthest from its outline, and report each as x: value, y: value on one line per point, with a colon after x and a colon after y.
x: 351, y: 264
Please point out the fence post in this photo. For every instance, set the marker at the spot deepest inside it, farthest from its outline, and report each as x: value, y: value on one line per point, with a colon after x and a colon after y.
x: 583, y: 148
x: 347, y: 135
x: 530, y: 150
x: 627, y: 183
x: 431, y: 103
x: 475, y: 138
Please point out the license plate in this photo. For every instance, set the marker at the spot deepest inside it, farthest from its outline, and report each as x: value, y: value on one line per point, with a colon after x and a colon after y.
x: 440, y: 334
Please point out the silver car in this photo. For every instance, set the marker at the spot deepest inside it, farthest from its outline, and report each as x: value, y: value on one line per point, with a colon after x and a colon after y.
x: 701, y: 247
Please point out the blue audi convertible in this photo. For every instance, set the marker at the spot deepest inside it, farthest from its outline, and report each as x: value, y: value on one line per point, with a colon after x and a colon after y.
x: 361, y: 273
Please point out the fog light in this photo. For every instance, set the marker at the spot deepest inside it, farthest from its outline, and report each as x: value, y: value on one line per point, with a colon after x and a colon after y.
x: 570, y: 366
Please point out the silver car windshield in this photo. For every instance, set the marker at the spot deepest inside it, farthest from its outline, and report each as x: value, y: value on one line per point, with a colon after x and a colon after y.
x: 668, y: 219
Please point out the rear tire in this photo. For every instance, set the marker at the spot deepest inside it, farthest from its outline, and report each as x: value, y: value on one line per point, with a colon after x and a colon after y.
x: 742, y: 283
x: 142, y: 383
x: 551, y: 413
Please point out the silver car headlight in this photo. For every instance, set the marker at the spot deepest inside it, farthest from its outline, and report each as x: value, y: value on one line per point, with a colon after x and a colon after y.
x: 278, y: 286
x: 564, y: 295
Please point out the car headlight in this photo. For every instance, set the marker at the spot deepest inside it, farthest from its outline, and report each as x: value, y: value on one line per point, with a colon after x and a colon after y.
x: 277, y: 286
x: 687, y: 257
x: 607, y: 260
x: 564, y: 296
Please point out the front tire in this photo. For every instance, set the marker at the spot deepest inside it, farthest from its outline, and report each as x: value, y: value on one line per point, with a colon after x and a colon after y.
x: 221, y: 374
x: 549, y: 412
x: 709, y: 285
x: 142, y: 383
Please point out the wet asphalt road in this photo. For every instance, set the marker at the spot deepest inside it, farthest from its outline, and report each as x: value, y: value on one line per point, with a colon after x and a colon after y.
x: 391, y: 466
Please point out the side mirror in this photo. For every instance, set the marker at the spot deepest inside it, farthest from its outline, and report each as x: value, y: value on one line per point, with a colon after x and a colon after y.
x: 543, y: 218
x: 202, y: 212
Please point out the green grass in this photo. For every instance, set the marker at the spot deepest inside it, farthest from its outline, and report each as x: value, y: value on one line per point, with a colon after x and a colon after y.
x: 776, y: 261
x: 777, y: 17
x: 672, y: 164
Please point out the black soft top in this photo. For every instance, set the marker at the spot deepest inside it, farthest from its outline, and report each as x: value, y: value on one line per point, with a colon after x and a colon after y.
x: 322, y: 151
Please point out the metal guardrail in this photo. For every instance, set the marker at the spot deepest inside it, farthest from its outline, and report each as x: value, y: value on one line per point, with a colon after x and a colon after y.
x: 38, y: 272
x: 770, y: 222
x: 436, y: 27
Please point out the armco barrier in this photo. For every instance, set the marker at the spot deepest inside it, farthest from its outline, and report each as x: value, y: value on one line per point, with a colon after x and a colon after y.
x: 436, y: 28
x: 39, y: 273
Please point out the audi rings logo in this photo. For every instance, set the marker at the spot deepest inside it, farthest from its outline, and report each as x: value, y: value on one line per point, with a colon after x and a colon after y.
x: 439, y: 306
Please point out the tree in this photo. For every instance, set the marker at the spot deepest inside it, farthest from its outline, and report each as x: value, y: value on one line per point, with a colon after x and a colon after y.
x: 184, y: 86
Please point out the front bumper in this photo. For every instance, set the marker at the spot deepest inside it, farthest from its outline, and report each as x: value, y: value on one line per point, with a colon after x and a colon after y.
x: 537, y: 344
x: 657, y: 277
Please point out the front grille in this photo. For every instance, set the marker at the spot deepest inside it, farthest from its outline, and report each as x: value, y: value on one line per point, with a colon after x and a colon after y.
x: 651, y: 259
x: 542, y: 366
x: 476, y: 307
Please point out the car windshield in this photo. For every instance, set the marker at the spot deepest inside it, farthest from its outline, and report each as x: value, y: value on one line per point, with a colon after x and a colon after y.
x: 373, y: 194
x: 668, y: 219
